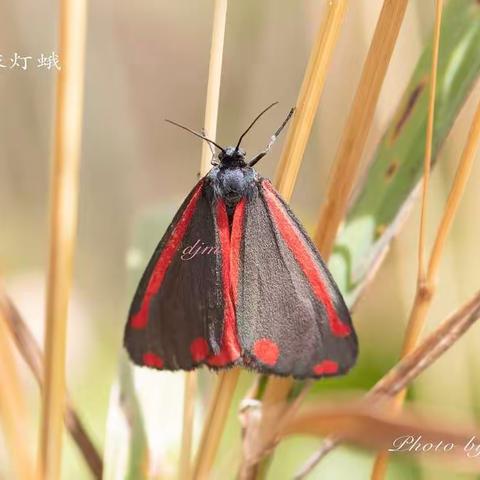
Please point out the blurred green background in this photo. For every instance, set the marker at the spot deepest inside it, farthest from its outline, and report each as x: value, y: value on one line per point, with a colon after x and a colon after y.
x: 147, y: 61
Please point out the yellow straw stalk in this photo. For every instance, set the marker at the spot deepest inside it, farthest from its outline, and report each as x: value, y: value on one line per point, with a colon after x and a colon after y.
x: 63, y: 224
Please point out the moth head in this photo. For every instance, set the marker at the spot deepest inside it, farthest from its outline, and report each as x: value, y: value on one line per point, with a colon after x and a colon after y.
x: 232, y: 156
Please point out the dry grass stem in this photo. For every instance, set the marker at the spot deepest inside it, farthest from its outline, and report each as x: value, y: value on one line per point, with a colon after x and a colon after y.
x: 273, y: 409
x: 347, y: 161
x: 410, y: 367
x: 435, y: 345
x: 190, y: 392
x: 33, y: 357
x: 63, y: 223
x: 215, y: 422
x: 298, y: 135
x: 214, y: 79
x: 13, y: 411
x: 309, y: 98
x: 459, y: 183
x: 428, y: 141
x: 419, y: 314
x: 348, y: 158
x: 210, y: 127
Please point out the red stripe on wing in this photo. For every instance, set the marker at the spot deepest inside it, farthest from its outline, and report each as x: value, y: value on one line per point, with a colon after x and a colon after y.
x: 235, y: 242
x: 296, y: 243
x: 140, y: 319
x: 230, y: 349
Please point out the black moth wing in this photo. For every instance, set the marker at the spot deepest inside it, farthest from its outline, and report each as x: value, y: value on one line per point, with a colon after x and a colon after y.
x: 291, y: 317
x: 176, y: 317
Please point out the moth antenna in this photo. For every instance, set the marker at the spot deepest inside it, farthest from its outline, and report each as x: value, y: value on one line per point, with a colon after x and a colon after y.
x: 253, y: 123
x: 198, y: 134
x: 273, y: 138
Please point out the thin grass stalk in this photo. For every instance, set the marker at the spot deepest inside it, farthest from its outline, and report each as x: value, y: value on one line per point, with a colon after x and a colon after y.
x: 13, y: 411
x: 214, y: 79
x: 292, y: 156
x: 210, y: 437
x: 190, y: 392
x: 424, y: 296
x: 456, y: 193
x: 215, y: 422
x: 436, y: 344
x: 380, y: 465
x: 33, y: 357
x: 348, y: 160
x: 428, y: 142
x: 63, y: 223
x: 309, y: 97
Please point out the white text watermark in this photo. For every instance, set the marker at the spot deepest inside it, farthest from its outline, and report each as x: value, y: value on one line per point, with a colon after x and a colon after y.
x: 16, y: 61
x: 416, y: 444
x: 198, y: 248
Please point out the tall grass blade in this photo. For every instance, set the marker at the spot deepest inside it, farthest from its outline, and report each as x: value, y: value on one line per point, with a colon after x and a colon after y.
x: 63, y: 222
x: 309, y: 97
x: 210, y: 127
x: 13, y: 412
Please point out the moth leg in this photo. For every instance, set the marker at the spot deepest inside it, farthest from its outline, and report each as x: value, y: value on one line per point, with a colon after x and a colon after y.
x: 274, y: 137
x: 212, y: 160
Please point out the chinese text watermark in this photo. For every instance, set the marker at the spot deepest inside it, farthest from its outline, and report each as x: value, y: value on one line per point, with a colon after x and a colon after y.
x: 17, y: 61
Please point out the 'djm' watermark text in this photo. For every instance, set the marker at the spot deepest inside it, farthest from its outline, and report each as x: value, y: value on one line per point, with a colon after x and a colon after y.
x: 198, y: 248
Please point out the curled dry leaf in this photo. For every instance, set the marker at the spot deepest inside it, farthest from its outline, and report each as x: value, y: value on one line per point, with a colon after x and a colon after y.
x: 373, y: 428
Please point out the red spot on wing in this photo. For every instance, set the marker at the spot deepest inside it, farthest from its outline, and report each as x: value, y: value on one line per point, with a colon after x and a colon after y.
x: 230, y: 349
x: 266, y: 351
x: 150, y: 359
x: 199, y: 349
x: 296, y: 243
x: 325, y: 367
x: 221, y: 359
x: 140, y: 319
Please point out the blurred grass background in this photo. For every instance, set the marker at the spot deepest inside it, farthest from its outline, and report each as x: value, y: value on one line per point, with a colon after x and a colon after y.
x: 148, y: 61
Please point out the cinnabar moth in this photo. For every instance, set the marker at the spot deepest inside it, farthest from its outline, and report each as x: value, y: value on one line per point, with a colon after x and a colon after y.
x: 236, y: 280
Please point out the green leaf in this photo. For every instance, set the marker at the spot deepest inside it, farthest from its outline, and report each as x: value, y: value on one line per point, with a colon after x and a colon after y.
x: 398, y: 162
